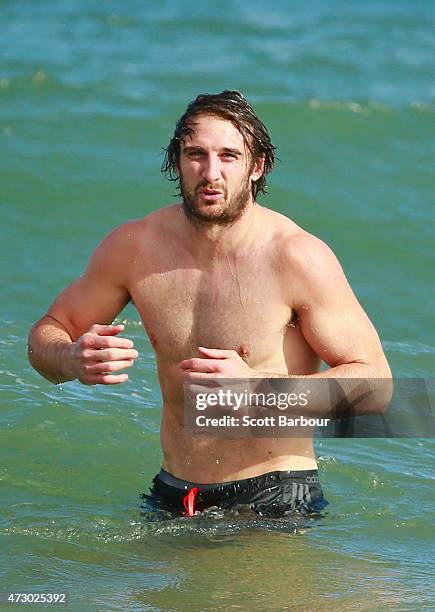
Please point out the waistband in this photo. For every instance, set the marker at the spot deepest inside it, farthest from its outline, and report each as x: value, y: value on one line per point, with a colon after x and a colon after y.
x: 301, y: 476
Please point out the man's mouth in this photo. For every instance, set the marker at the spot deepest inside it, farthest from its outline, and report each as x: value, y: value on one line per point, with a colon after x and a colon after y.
x: 211, y: 195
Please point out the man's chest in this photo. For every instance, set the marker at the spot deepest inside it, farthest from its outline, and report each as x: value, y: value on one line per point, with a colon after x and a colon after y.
x: 239, y: 309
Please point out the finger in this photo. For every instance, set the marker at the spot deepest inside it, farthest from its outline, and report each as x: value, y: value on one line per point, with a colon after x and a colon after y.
x: 198, y: 365
x: 113, y: 354
x: 216, y: 353
x: 186, y: 364
x: 107, y: 330
x: 190, y: 376
x: 95, y: 341
x: 109, y: 379
x: 107, y: 367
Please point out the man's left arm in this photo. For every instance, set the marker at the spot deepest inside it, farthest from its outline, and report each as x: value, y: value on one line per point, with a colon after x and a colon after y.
x: 331, y: 319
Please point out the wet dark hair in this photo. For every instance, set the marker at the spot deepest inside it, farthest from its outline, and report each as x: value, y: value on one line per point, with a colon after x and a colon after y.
x: 232, y: 106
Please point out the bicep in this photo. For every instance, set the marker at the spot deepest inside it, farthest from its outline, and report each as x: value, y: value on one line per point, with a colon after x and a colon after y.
x: 339, y: 333
x: 332, y: 321
x: 84, y: 303
x: 98, y: 296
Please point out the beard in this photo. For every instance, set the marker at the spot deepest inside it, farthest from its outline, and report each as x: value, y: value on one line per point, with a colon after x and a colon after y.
x: 225, y: 211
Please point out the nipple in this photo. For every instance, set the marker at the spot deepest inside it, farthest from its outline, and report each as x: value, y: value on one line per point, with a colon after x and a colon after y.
x: 243, y: 351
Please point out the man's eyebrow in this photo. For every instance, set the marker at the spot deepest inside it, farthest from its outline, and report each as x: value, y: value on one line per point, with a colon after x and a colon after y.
x: 188, y: 149
x: 197, y: 148
x: 233, y: 151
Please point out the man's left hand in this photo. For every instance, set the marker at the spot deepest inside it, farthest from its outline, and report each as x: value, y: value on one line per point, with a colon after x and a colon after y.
x: 216, y: 363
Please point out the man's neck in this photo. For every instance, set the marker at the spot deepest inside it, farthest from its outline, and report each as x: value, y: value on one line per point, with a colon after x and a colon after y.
x: 214, y: 240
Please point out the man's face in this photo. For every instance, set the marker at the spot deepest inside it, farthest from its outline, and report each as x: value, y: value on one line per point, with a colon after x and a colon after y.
x: 216, y: 171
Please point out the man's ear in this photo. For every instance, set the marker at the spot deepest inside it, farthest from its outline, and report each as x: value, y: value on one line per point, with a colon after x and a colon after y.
x: 258, y: 169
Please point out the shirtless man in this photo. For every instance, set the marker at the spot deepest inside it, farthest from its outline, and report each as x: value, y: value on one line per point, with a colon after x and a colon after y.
x: 224, y: 287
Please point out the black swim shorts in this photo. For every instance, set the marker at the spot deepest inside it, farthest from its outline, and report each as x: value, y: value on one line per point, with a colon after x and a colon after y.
x: 273, y: 494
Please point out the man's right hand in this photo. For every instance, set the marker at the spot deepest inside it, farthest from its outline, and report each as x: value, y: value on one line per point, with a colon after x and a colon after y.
x: 98, y: 353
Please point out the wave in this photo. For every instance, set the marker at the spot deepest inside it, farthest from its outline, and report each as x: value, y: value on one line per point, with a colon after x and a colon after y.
x: 409, y: 348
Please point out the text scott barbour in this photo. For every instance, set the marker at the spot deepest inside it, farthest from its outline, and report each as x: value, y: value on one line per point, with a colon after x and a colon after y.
x: 234, y: 401
x: 268, y: 421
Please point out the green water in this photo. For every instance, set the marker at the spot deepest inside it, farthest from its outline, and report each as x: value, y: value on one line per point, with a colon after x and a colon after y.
x: 89, y: 92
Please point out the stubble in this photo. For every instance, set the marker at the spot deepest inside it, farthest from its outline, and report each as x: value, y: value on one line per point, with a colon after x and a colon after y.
x: 231, y: 208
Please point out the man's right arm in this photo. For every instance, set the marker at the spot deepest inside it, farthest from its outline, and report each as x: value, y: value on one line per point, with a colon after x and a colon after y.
x: 75, y: 339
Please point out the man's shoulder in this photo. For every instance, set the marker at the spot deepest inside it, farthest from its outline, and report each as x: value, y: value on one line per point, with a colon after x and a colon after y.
x: 144, y: 229
x: 135, y: 240
x: 302, y: 258
x: 306, y: 251
x: 293, y: 244
x: 312, y: 268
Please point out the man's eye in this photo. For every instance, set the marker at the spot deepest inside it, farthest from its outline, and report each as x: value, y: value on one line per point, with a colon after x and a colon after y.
x: 228, y: 156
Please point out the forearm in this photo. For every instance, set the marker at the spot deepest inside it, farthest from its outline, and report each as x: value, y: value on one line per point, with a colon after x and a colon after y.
x: 348, y: 389
x: 358, y: 369
x: 49, y: 350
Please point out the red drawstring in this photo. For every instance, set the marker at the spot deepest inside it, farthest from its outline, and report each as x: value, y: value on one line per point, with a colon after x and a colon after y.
x: 189, y: 501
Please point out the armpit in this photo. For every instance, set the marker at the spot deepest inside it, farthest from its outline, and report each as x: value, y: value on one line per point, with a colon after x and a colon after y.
x: 294, y: 320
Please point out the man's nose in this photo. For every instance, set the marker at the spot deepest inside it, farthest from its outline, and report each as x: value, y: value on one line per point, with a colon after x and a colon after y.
x: 212, y: 169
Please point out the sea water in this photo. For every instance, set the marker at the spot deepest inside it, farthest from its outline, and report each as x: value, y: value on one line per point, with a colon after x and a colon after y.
x: 89, y: 95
